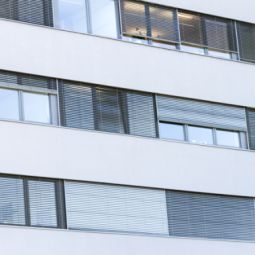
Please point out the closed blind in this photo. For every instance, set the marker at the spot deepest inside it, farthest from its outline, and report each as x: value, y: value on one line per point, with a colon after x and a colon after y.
x: 210, y: 216
x: 115, y: 208
x: 246, y: 39
x: 107, y: 110
x: 201, y: 113
x: 27, y: 80
x: 220, y: 34
x: 251, y: 127
x: 191, y: 28
x: 139, y: 113
x: 31, y: 11
x: 76, y: 105
x: 12, y: 209
x: 42, y: 203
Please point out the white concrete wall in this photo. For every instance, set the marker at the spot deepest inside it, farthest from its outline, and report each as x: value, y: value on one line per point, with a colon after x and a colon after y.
x: 93, y: 156
x: 19, y: 240
x: 53, y: 53
x: 233, y: 9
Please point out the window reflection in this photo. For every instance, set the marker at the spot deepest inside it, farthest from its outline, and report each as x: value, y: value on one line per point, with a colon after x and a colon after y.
x: 36, y: 107
x: 9, y: 104
x: 200, y: 135
x: 171, y: 131
x: 71, y: 15
x: 103, y: 17
x: 228, y: 138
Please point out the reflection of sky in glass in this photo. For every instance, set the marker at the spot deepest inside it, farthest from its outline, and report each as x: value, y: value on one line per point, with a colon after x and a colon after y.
x: 103, y: 17
x: 9, y: 104
x: 171, y: 131
x: 11, y: 201
x: 36, y: 107
x: 228, y: 138
x: 71, y: 15
x: 200, y: 135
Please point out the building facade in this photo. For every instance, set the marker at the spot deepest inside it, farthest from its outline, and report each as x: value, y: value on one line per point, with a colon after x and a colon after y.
x: 127, y: 127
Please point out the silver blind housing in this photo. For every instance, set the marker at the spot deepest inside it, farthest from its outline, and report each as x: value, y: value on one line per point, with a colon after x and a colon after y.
x: 200, y: 113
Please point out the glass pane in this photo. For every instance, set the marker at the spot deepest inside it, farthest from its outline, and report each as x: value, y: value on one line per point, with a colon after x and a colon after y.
x: 191, y: 28
x: 36, y: 107
x: 9, y: 104
x: 171, y: 131
x: 11, y: 201
x: 192, y: 49
x: 163, y: 23
x: 103, y: 17
x: 134, y: 19
x: 42, y: 202
x: 70, y: 15
x: 200, y: 135
x: 228, y: 138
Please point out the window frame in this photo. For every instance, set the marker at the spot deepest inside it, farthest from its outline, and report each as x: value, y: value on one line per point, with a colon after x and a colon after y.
x: 52, y: 99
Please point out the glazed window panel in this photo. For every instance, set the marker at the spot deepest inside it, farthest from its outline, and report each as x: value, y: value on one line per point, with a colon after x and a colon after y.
x: 70, y: 15
x: 9, y: 104
x: 103, y: 17
x: 134, y: 19
x: 163, y: 23
x: 191, y: 28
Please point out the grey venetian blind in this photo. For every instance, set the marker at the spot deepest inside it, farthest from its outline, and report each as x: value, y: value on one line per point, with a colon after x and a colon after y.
x: 32, y: 11
x: 251, y: 127
x: 76, y: 105
x: 200, y: 113
x: 27, y: 80
x: 191, y: 28
x: 210, y: 216
x: 12, y: 209
x: 115, y: 208
x: 149, y: 21
x: 42, y: 203
x: 246, y: 39
x: 219, y: 34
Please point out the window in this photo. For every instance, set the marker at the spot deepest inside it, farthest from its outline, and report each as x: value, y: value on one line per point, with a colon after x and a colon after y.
x: 9, y: 104
x: 171, y: 131
x: 36, y: 107
x: 27, y: 106
x: 12, y: 209
x: 228, y: 138
x: 151, y: 22
x: 103, y: 17
x: 200, y: 135
x: 246, y: 39
x: 42, y: 203
x: 71, y: 15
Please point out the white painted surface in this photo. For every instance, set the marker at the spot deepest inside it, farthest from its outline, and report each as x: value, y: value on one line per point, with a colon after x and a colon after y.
x: 233, y: 9
x: 19, y: 240
x: 93, y: 156
x: 53, y: 53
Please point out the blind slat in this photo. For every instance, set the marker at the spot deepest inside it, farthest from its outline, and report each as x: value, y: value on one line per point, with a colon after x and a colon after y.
x: 251, y: 127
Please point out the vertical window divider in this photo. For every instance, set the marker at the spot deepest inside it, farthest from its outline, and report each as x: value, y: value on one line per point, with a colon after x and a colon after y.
x: 178, y: 45
x: 60, y: 204
x: 237, y: 41
x: 58, y: 104
x: 26, y: 202
x: 215, y: 142
x: 123, y: 110
x: 21, y: 106
x: 118, y: 18
x: 88, y: 17
x: 186, y: 132
x: 155, y: 105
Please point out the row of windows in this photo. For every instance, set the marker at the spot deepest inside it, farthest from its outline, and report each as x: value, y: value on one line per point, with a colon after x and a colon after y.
x: 102, y: 207
x: 85, y: 106
x: 142, y: 23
